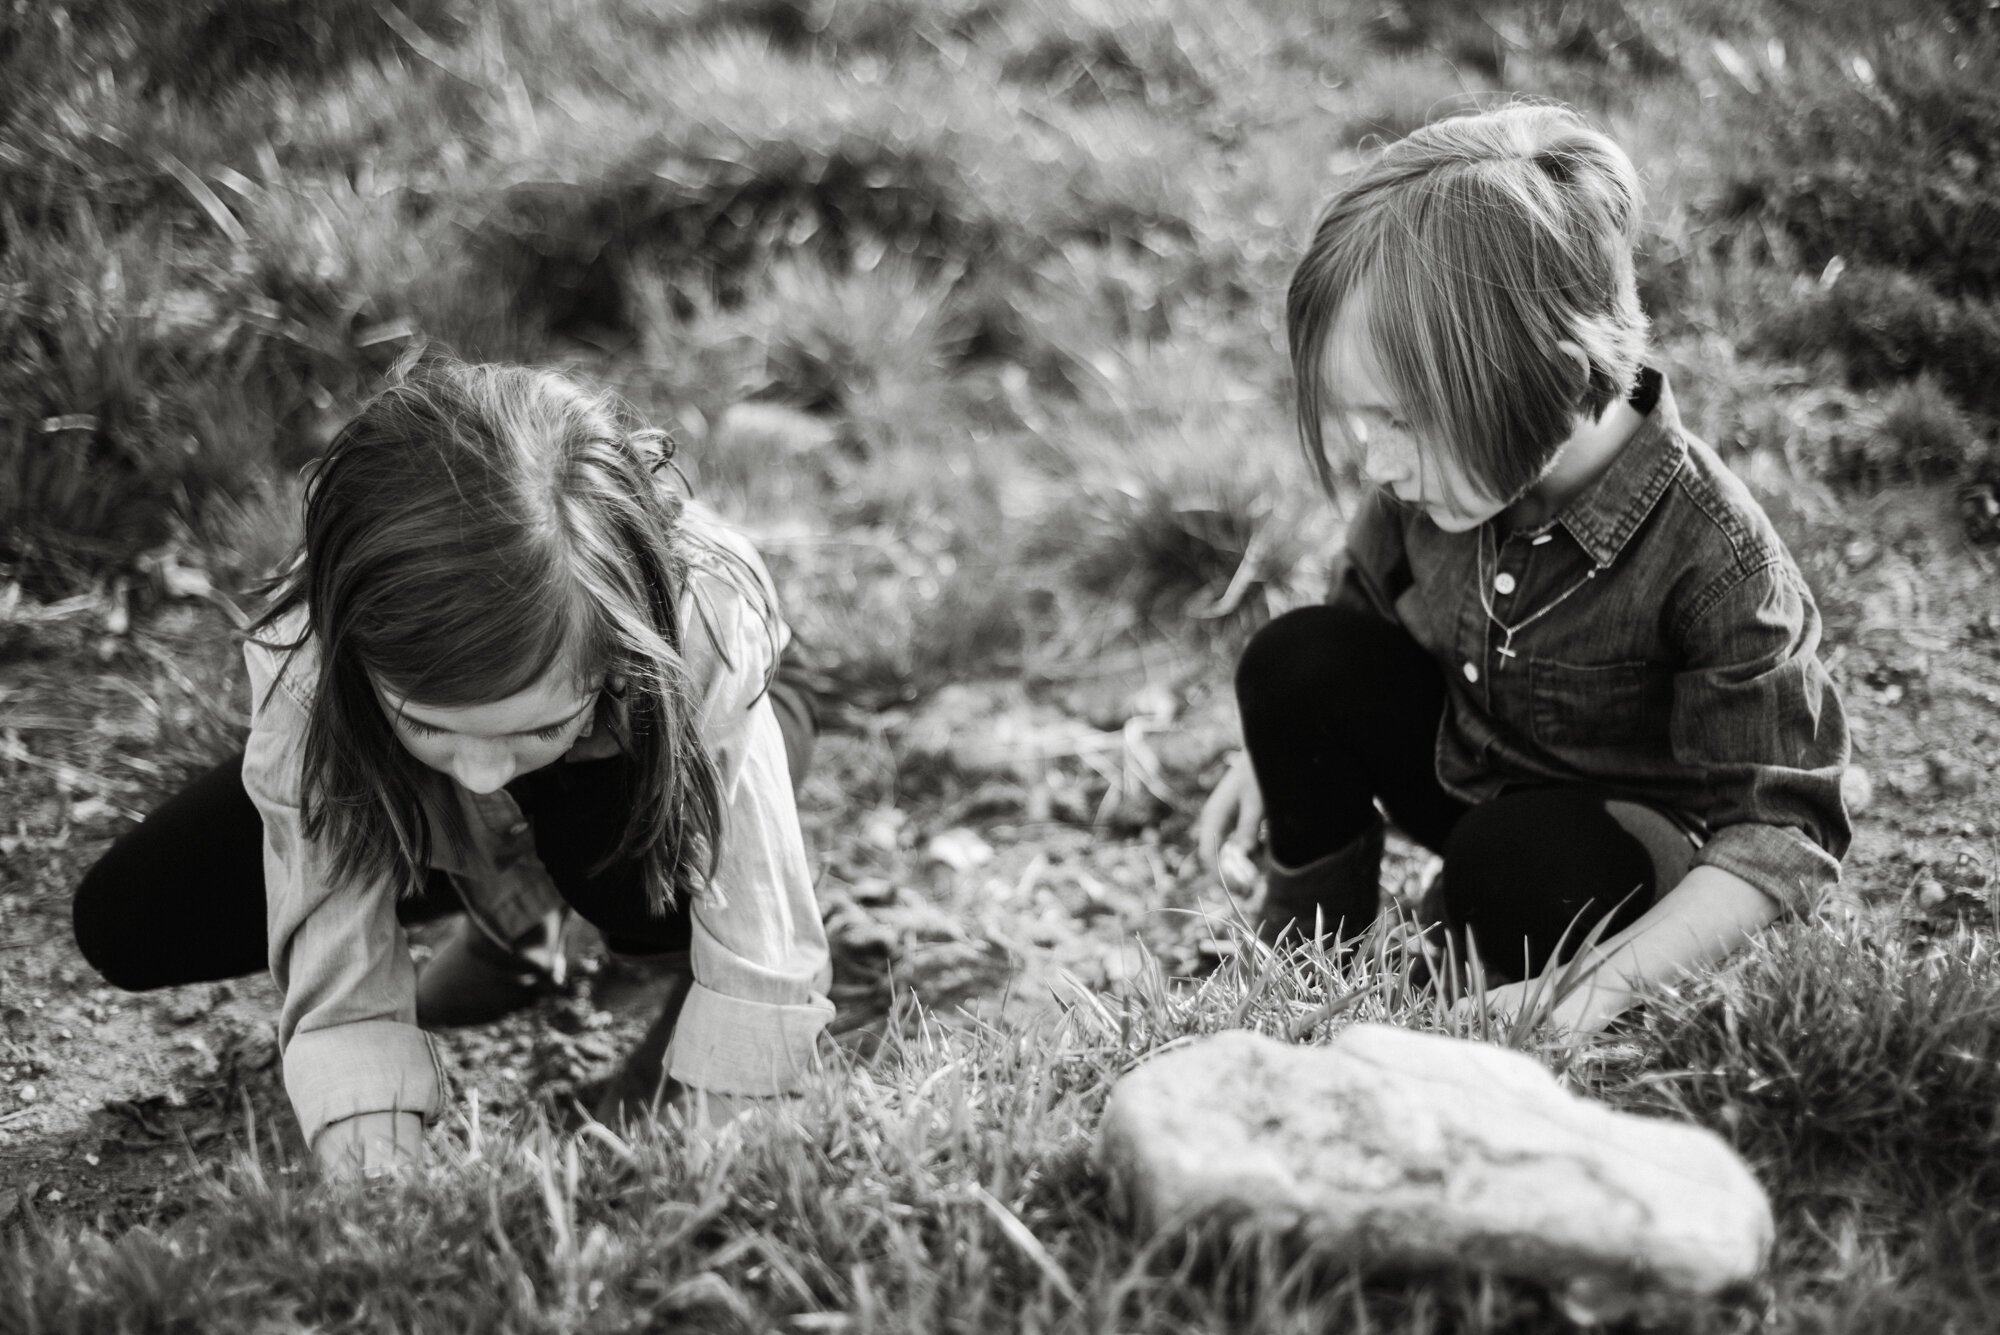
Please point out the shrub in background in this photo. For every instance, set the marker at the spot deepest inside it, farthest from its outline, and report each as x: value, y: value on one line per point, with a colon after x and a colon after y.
x: 1881, y: 326
x: 190, y: 296
x: 1085, y: 54
x: 740, y: 155
x: 207, y: 48
x: 1924, y: 434
x: 1186, y: 534
x: 1881, y: 153
x: 849, y: 29
x: 122, y: 356
x: 1870, y: 138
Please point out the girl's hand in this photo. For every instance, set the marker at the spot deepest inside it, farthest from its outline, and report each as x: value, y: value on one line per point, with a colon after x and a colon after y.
x: 709, y: 1111
x: 369, y: 1145
x: 1233, y: 815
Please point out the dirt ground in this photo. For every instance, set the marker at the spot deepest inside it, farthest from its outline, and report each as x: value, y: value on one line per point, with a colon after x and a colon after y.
x: 981, y: 853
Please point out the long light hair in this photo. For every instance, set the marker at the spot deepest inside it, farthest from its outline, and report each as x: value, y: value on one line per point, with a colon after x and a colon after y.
x: 471, y: 529
x: 1481, y: 243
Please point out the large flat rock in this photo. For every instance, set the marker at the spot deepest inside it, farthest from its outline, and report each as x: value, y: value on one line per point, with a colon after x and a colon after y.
x: 1412, y: 1151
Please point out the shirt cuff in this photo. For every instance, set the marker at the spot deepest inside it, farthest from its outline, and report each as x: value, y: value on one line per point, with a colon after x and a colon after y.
x: 363, y: 1067
x: 732, y: 1046
x: 1781, y: 862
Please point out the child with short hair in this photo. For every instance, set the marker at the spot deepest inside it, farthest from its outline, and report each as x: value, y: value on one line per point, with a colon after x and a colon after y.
x: 511, y: 670
x: 1565, y: 649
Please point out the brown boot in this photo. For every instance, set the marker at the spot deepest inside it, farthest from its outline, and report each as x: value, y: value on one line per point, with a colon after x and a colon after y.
x: 1335, y: 896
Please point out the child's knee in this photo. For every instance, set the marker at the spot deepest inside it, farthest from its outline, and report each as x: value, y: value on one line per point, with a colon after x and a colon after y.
x: 1481, y: 856
x: 101, y: 936
x: 1313, y: 650
x: 1279, y: 653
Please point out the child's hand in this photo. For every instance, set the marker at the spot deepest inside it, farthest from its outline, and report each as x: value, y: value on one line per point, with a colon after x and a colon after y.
x: 1594, y: 1004
x: 1231, y: 816
x: 369, y: 1145
x: 707, y: 1110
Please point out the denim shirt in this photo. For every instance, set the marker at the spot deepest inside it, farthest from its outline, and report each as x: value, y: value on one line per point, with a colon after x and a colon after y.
x: 1663, y: 646
x: 347, y: 1027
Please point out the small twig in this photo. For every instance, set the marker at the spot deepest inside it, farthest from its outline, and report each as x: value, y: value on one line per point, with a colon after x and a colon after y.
x: 1247, y: 571
x: 1321, y: 1014
x: 418, y: 40
x: 187, y: 1147
x: 204, y: 198
x: 1023, y: 1238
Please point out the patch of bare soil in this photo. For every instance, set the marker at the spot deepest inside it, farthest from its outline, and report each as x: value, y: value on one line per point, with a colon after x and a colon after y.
x: 987, y: 854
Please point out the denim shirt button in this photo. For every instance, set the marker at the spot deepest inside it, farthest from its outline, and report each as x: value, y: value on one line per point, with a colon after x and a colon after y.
x: 1503, y: 582
x: 1472, y: 672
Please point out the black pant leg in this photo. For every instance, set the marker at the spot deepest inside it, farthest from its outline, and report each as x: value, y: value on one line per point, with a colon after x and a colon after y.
x: 1340, y: 708
x: 1542, y: 866
x: 579, y: 811
x: 179, y: 899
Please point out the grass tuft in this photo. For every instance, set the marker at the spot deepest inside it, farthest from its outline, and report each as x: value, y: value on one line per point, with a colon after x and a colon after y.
x: 1925, y: 435
x: 1832, y: 1051
x: 1186, y: 550
x: 120, y: 357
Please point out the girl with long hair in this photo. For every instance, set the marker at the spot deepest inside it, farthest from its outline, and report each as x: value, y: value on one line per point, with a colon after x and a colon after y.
x: 510, y: 670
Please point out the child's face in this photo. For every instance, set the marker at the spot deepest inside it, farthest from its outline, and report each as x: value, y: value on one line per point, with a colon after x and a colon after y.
x: 484, y: 747
x: 1386, y: 450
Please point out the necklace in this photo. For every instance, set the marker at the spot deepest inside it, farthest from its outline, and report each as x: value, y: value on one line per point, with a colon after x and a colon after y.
x: 1506, y: 649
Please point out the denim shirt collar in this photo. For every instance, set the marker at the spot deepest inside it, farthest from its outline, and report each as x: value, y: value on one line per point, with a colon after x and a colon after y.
x: 1608, y: 512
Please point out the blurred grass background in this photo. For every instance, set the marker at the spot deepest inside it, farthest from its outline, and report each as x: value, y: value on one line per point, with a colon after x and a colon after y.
x: 970, y: 308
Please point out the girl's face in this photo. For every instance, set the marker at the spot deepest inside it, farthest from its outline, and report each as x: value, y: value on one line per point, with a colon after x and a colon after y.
x: 1388, y: 452
x: 483, y: 747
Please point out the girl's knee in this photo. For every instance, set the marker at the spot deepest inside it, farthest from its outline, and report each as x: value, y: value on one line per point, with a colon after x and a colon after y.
x: 102, y: 936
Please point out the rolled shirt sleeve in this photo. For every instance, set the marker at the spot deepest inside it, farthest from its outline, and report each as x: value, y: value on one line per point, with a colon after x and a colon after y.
x: 1755, y: 709
x: 347, y: 1026
x: 753, y: 1018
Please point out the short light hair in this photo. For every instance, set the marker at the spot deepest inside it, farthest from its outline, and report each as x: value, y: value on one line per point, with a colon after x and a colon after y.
x: 1482, y: 242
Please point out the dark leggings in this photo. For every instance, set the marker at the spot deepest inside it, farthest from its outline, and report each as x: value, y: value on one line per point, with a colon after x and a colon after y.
x: 180, y: 899
x: 1341, y: 709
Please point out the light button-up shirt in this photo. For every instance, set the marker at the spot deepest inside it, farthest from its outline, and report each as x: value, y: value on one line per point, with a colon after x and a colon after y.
x: 348, y: 1028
